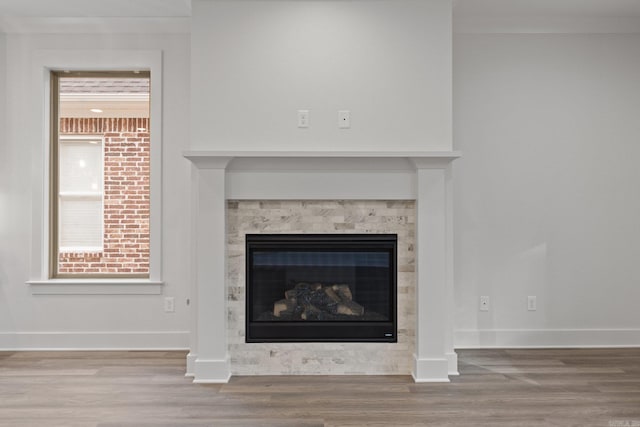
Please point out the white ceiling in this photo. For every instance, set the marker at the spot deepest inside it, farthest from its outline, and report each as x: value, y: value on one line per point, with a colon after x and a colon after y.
x: 182, y: 8
x: 470, y: 16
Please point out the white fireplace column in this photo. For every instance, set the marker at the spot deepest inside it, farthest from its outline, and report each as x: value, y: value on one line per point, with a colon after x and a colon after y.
x: 435, y: 358
x: 424, y: 176
x: 208, y: 360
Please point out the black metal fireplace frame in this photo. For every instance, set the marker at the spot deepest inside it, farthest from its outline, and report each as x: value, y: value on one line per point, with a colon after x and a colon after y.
x: 322, y: 331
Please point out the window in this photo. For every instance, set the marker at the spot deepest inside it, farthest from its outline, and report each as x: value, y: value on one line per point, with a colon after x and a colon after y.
x: 100, y: 174
x: 80, y: 192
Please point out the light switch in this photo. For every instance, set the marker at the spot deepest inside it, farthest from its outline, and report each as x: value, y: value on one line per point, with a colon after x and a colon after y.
x: 303, y: 118
x: 484, y: 303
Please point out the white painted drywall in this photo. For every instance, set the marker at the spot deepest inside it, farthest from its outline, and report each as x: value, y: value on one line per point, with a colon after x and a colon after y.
x: 5, y: 212
x: 546, y: 194
x: 96, y: 321
x: 256, y: 63
x: 546, y: 198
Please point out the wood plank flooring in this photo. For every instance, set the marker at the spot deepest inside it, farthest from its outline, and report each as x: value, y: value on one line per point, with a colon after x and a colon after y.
x: 559, y: 387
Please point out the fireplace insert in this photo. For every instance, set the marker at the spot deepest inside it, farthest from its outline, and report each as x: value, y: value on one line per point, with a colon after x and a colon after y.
x: 321, y: 287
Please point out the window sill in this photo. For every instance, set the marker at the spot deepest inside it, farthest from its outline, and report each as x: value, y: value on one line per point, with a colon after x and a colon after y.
x: 95, y: 287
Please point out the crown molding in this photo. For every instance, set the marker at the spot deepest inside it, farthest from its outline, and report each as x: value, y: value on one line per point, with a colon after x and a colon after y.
x: 545, y: 24
x: 91, y: 25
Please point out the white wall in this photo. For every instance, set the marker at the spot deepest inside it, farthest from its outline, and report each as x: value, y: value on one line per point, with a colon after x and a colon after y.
x: 99, y: 321
x: 546, y: 195
x: 256, y: 63
x: 5, y: 212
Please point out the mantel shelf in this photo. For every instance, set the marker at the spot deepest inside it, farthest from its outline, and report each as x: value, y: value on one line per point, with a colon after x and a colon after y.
x: 213, y: 159
x: 320, y: 154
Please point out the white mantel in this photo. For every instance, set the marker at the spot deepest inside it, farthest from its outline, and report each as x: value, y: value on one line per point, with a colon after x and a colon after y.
x: 203, y: 154
x: 423, y: 176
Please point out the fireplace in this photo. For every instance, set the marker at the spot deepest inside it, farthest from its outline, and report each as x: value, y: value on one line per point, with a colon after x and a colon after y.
x: 286, y: 192
x: 321, y: 287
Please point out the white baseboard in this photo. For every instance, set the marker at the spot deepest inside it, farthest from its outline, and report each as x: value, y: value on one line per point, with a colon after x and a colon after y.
x: 546, y: 338
x: 430, y: 370
x: 191, y: 364
x: 452, y: 361
x: 211, y: 371
x: 37, y: 341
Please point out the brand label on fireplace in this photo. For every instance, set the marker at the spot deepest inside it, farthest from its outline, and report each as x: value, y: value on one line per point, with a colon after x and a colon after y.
x: 388, y: 335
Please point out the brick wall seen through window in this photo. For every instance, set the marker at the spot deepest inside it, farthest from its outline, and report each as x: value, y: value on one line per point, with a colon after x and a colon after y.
x: 126, y: 150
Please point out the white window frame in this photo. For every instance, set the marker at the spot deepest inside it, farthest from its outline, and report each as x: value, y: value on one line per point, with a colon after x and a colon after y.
x: 43, y: 62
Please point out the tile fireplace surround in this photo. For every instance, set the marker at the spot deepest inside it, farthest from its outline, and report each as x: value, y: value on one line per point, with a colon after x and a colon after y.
x: 272, y: 185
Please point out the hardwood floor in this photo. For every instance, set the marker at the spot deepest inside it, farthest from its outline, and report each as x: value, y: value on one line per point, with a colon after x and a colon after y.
x: 585, y: 387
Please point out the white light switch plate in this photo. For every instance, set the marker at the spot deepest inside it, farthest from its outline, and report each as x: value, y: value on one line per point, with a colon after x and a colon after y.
x: 303, y: 118
x: 484, y: 303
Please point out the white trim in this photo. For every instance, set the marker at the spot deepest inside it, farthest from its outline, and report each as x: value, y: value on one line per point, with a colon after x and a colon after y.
x: 430, y: 370
x: 545, y: 24
x: 196, y: 154
x: 94, y: 341
x: 335, y: 185
x: 429, y: 170
x: 212, y: 371
x: 95, y: 287
x: 452, y: 360
x: 432, y: 245
x: 95, y: 25
x: 191, y: 364
x: 321, y: 175
x: 209, y: 342
x: 91, y: 60
x: 546, y: 338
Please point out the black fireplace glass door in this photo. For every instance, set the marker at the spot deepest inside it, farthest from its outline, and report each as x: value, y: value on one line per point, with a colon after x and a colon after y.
x: 298, y: 283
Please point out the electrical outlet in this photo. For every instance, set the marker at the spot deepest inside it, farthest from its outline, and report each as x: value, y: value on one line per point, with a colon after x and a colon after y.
x: 484, y: 303
x: 532, y: 304
x: 169, y: 305
x: 344, y: 119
